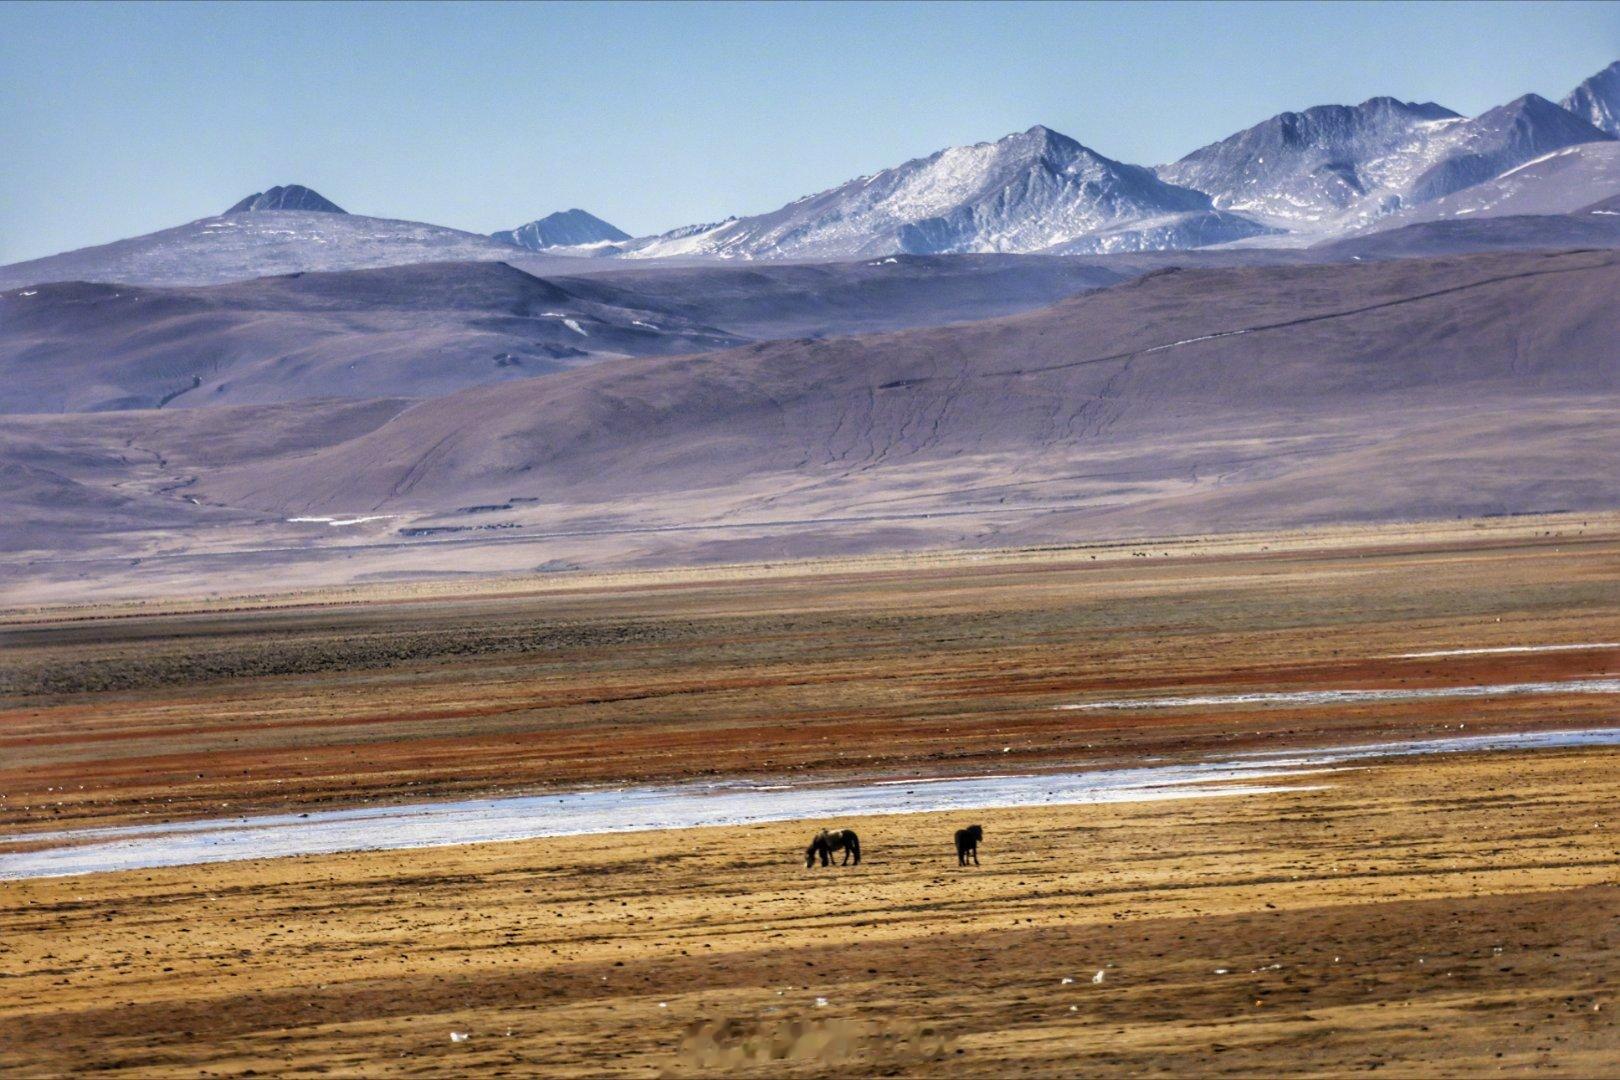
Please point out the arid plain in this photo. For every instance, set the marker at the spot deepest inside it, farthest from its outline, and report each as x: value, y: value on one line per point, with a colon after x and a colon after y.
x: 1438, y: 915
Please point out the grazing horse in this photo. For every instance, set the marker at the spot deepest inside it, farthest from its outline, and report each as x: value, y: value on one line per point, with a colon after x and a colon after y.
x: 828, y: 841
x: 967, y: 843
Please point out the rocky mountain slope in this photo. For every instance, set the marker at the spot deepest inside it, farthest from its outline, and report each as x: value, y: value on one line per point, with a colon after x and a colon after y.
x: 1597, y: 100
x: 1307, y: 167
x: 1559, y: 182
x: 1495, y: 142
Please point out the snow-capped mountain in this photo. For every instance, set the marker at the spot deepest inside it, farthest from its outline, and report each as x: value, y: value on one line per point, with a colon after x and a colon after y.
x: 290, y: 197
x: 1033, y: 191
x: 566, y: 228
x: 1304, y: 167
x: 1295, y: 180
x: 1597, y: 100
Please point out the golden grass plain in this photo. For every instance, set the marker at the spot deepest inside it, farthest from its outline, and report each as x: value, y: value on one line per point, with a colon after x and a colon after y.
x: 1313, y: 931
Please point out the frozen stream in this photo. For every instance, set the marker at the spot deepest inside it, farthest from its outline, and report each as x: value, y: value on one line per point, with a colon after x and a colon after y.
x: 681, y: 806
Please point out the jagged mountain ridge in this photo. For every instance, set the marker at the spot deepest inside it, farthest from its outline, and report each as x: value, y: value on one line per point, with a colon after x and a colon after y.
x: 565, y: 228
x: 1296, y: 179
x: 1339, y: 168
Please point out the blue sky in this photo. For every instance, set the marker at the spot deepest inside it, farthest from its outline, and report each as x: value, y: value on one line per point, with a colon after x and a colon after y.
x: 117, y: 119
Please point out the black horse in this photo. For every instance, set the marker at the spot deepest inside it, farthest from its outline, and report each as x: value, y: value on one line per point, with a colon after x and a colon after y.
x: 967, y: 843
x: 828, y: 841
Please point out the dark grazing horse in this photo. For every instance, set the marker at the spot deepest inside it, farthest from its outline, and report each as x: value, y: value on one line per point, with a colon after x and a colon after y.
x: 828, y: 841
x: 967, y: 843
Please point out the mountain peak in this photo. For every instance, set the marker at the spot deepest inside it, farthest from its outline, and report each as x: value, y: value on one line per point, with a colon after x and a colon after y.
x: 1526, y: 103
x: 565, y: 228
x: 1533, y: 109
x: 290, y: 197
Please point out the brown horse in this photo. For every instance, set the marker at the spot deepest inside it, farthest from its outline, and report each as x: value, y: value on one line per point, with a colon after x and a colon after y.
x: 967, y: 843
x: 828, y: 841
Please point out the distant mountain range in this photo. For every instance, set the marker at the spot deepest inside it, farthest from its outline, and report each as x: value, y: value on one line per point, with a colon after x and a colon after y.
x: 1299, y: 178
x: 1316, y: 175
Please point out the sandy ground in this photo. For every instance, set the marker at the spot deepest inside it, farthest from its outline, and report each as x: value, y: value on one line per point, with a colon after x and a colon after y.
x: 1442, y: 917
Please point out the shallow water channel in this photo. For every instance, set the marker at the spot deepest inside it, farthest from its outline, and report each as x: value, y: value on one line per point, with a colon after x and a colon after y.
x: 680, y: 806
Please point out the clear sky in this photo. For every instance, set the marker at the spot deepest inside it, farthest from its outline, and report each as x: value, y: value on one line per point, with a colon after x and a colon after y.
x: 117, y: 119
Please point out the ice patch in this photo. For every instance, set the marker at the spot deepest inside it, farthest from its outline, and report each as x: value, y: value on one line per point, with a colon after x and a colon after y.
x: 631, y: 809
x: 634, y: 809
x: 1537, y: 161
x: 362, y: 520
x: 1494, y: 650
x: 572, y: 324
x: 1338, y: 697
x: 1194, y: 340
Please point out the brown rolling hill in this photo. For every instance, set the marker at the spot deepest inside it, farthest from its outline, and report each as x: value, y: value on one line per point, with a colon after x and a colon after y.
x: 1256, y: 362
x: 408, y: 331
x: 1186, y: 401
